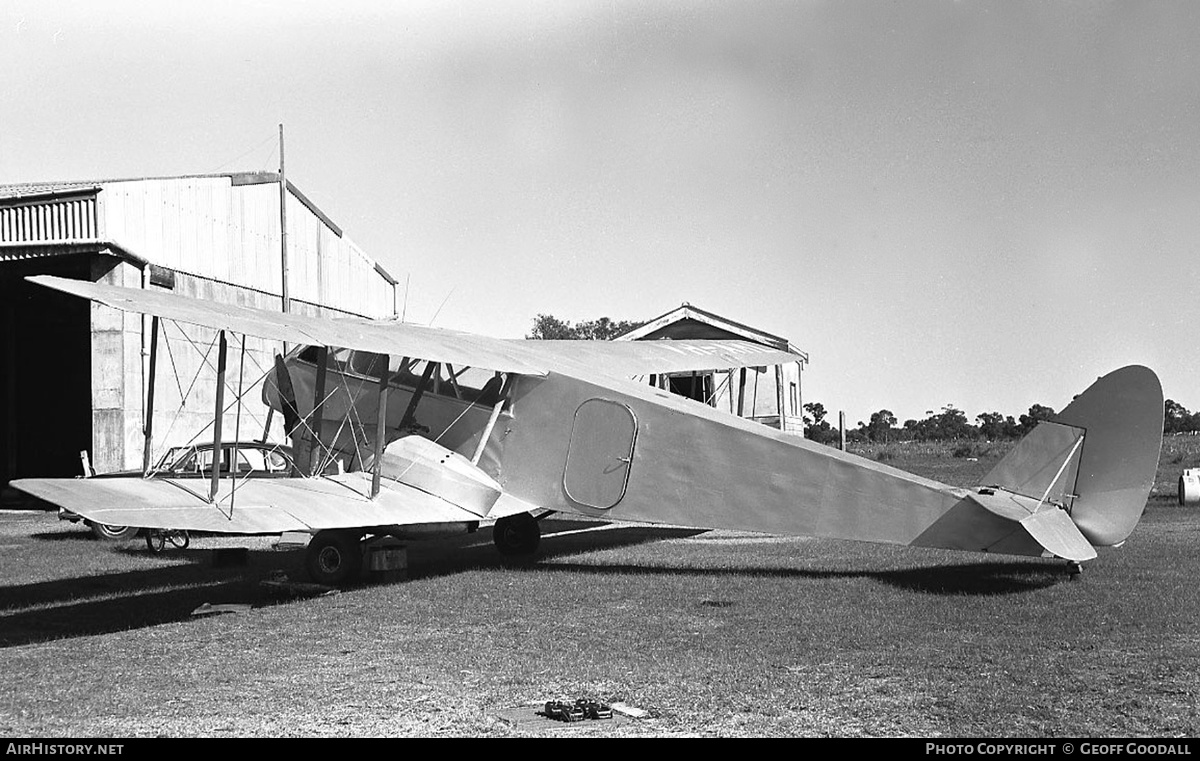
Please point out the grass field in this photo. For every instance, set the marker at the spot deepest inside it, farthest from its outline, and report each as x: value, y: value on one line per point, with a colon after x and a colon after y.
x: 710, y: 633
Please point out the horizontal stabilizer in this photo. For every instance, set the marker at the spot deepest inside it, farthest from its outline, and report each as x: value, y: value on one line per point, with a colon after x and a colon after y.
x: 1054, y: 530
x: 1050, y: 526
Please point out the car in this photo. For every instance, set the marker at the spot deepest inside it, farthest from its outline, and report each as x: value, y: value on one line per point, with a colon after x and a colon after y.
x: 255, y: 459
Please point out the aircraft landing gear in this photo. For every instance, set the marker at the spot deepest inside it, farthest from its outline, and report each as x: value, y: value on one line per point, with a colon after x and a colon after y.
x: 1074, y: 569
x: 517, y: 535
x: 334, y: 558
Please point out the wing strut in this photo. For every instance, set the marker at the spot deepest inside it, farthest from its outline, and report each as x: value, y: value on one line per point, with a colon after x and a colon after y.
x: 741, y: 393
x: 218, y: 416
x: 491, y: 424
x: 316, y: 450
x: 410, y: 412
x: 380, y: 426
x: 148, y: 428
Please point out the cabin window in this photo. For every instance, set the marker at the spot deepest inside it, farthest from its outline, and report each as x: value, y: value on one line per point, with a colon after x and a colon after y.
x: 471, y: 384
x: 309, y: 354
x: 366, y: 363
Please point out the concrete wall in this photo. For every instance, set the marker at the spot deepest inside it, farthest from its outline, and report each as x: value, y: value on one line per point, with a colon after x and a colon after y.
x: 116, y: 349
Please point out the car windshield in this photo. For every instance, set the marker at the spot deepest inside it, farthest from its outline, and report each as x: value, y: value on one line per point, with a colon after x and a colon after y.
x: 172, y: 457
x: 250, y: 458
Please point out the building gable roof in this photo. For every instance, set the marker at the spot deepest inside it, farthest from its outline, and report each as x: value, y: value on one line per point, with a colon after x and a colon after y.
x: 693, y: 321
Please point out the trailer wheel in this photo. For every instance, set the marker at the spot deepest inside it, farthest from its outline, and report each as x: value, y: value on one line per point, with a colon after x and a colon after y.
x: 334, y: 557
x: 517, y: 535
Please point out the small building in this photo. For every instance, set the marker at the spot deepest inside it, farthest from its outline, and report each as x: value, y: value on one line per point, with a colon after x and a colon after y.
x: 73, y: 374
x: 772, y: 395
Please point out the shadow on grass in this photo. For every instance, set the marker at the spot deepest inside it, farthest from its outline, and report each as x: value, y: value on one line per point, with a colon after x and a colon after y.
x: 103, y: 603
x: 75, y: 532
x: 992, y: 578
x: 111, y: 602
x: 569, y: 538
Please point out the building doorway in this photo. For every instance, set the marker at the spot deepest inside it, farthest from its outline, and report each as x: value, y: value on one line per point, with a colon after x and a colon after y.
x: 45, y: 371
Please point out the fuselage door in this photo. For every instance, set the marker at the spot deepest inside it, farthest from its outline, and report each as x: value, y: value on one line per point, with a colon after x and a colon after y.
x: 600, y: 453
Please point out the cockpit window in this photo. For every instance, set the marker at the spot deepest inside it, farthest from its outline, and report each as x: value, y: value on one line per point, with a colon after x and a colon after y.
x: 470, y: 384
x: 309, y: 354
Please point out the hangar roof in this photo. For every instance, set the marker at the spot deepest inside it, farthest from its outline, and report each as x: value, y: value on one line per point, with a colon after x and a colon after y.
x: 224, y: 227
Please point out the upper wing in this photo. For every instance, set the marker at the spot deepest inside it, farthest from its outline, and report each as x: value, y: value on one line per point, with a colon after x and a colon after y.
x: 531, y: 357
x: 623, y: 359
x: 378, y: 336
x: 255, y: 505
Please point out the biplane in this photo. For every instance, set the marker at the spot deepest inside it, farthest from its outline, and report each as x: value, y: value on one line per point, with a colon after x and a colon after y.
x: 404, y: 430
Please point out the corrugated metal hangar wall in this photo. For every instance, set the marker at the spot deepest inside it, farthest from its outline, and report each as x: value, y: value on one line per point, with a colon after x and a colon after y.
x: 73, y: 374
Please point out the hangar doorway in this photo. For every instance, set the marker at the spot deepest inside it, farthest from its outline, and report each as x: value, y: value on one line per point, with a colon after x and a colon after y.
x: 45, y: 371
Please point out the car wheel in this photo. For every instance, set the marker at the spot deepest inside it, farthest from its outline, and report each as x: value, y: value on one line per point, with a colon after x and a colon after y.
x: 109, y: 533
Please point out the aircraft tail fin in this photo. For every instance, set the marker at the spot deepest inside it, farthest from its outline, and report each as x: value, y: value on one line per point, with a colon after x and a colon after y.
x: 1096, y: 459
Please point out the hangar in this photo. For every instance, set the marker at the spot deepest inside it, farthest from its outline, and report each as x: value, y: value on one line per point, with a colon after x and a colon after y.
x: 73, y: 375
x: 769, y: 395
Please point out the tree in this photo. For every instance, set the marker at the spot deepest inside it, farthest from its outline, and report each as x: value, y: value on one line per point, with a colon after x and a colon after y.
x: 1037, y: 413
x: 548, y: 327
x: 816, y: 427
x: 881, y: 425
x: 1176, y: 418
x: 950, y: 423
x: 995, y: 426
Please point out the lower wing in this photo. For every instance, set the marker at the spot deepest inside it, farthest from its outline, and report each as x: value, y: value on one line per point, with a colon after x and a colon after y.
x: 257, y: 505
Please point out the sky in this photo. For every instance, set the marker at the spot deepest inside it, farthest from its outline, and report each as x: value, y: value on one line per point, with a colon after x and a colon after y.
x: 984, y: 205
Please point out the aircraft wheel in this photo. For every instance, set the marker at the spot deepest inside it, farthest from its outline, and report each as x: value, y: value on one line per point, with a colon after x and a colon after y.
x: 517, y: 535
x: 155, y: 541
x: 334, y: 558
x: 113, y: 533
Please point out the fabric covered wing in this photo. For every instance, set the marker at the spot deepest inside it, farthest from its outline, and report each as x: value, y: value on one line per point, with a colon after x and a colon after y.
x: 622, y: 359
x: 378, y: 336
x: 258, y: 506
x: 580, y: 359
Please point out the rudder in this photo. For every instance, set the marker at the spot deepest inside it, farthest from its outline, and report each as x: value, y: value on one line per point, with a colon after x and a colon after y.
x: 1097, y: 458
